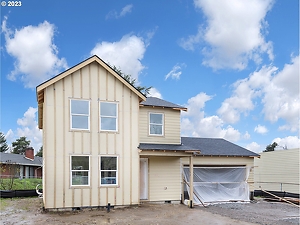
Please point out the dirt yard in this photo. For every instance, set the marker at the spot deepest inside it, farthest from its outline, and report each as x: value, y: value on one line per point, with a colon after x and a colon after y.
x: 29, y: 211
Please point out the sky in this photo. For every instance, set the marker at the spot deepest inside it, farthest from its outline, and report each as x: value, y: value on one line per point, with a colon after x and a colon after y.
x: 234, y: 64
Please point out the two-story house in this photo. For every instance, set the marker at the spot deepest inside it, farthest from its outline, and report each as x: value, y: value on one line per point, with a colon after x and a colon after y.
x: 105, y: 142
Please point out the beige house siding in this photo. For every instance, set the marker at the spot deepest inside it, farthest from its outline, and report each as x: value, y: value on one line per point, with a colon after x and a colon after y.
x: 164, y: 179
x: 171, y: 126
x: 95, y: 84
x: 225, y: 161
x: 278, y: 171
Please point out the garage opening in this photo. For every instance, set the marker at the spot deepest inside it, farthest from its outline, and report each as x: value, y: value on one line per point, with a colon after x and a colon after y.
x: 218, y: 184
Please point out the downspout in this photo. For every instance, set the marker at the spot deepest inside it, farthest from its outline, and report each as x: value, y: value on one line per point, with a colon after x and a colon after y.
x: 191, y: 203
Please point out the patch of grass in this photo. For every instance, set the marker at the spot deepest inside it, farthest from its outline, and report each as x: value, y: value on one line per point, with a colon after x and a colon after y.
x: 24, y: 184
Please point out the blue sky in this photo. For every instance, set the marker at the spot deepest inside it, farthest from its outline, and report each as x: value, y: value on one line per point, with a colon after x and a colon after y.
x: 234, y: 64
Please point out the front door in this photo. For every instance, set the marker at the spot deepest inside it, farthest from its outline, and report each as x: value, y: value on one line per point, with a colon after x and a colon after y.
x: 143, y: 178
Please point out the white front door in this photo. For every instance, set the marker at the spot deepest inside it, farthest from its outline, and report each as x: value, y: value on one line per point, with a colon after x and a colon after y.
x: 143, y: 178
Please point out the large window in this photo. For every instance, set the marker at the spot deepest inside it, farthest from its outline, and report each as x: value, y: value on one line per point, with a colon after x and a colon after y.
x: 108, y: 170
x: 80, y: 170
x: 156, y: 124
x: 80, y: 114
x: 108, y: 116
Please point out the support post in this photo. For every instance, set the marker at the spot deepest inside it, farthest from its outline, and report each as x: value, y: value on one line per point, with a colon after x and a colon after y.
x: 191, y: 182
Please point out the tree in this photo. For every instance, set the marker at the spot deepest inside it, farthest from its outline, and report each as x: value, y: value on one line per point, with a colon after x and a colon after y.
x: 145, y: 90
x: 19, y: 146
x: 271, y: 147
x: 40, y: 152
x: 3, y: 143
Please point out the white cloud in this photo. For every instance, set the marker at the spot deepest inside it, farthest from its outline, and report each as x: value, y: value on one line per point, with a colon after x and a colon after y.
x: 281, y: 99
x: 261, y: 129
x: 28, y: 127
x: 278, y: 91
x: 247, y: 135
x: 125, y: 54
x: 195, y: 123
x: 35, y: 53
x: 175, y: 72
x: 289, y: 142
x: 155, y: 93
x: 126, y: 9
x: 9, y: 135
x: 254, y: 147
x: 235, y: 32
x: 114, y: 14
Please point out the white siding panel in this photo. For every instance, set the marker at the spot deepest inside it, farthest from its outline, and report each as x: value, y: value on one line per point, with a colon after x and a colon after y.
x: 49, y: 195
x: 278, y: 171
x: 85, y: 82
x: 76, y: 84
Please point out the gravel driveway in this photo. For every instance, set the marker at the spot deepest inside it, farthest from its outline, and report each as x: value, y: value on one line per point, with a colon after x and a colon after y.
x: 29, y: 211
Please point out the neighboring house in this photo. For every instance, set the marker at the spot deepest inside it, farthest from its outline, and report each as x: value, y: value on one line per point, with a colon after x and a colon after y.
x: 278, y: 170
x: 23, y: 166
x: 105, y: 142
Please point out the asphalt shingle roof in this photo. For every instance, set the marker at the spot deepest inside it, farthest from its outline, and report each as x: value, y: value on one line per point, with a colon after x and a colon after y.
x: 206, y: 146
x: 20, y: 159
x: 167, y: 147
x: 153, y: 101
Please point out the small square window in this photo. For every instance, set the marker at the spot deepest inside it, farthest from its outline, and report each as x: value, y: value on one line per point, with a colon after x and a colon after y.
x: 80, y: 114
x: 156, y: 124
x: 80, y: 170
x: 108, y: 116
x: 108, y: 170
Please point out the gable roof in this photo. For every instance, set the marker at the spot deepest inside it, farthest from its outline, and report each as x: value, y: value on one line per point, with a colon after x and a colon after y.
x: 40, y: 88
x: 157, y: 102
x: 20, y: 159
x: 206, y: 146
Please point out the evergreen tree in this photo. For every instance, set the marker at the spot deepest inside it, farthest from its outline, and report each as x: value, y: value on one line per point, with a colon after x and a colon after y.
x: 132, y: 81
x: 3, y: 143
x: 271, y: 147
x: 19, y: 146
x: 40, y: 152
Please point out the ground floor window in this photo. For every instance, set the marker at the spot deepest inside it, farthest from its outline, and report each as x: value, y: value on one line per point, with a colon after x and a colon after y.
x: 108, y: 170
x: 80, y: 170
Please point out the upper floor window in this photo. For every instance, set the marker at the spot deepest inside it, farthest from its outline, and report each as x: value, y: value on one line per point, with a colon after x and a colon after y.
x: 108, y: 170
x: 80, y: 114
x: 108, y: 116
x: 80, y: 170
x: 156, y: 123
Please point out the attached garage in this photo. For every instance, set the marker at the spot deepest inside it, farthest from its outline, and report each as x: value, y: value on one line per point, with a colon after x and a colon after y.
x: 218, y: 184
x: 222, y: 171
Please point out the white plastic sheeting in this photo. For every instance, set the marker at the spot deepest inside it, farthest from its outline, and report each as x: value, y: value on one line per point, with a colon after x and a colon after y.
x: 219, y: 184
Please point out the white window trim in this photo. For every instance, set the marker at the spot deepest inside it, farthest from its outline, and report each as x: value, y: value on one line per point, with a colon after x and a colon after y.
x: 117, y: 171
x: 163, y: 124
x: 80, y: 185
x: 117, y: 116
x: 71, y: 128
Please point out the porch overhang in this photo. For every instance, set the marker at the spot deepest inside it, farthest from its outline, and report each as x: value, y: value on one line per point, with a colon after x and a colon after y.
x: 167, y: 150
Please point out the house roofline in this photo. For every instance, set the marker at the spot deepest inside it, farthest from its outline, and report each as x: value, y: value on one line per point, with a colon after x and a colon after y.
x: 40, y: 88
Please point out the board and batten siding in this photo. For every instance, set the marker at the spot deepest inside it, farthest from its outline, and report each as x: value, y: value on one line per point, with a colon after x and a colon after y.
x: 224, y: 161
x: 171, y: 126
x: 278, y: 171
x: 164, y: 179
x: 95, y: 84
